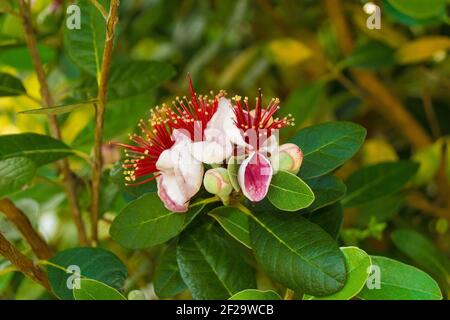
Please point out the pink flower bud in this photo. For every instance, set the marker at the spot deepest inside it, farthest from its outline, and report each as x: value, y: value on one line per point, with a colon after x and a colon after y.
x: 254, y: 176
x: 217, y: 181
x: 290, y: 158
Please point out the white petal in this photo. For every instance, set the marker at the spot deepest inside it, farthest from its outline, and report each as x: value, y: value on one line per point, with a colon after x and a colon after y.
x: 214, y: 150
x: 171, y: 194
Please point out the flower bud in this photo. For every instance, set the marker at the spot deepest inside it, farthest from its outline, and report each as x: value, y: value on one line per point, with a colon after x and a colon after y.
x: 136, y: 295
x: 290, y: 158
x: 254, y: 176
x: 217, y: 181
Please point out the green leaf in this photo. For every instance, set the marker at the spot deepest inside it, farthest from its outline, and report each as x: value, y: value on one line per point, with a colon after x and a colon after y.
x: 96, y: 290
x: 121, y: 117
x: 378, y: 180
x: 129, y: 78
x: 329, y: 219
x: 14, y: 174
x: 145, y: 222
x: 327, y: 189
x: 302, y: 102
x: 297, y: 253
x: 381, y: 209
x: 357, y: 263
x: 327, y: 146
x: 253, y: 294
x: 93, y: 263
x: 10, y: 85
x: 39, y: 148
x: 85, y: 45
x: 65, y: 108
x: 211, y: 265
x: 419, y: 9
x: 289, y: 193
x: 421, y: 250
x: 399, y: 281
x: 19, y: 57
x: 168, y: 281
x: 373, y: 55
x: 130, y: 192
x: 233, y: 221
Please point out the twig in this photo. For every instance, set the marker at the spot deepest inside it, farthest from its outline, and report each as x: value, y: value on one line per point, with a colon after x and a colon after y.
x: 100, y: 114
x: 22, y: 263
x: 382, y: 100
x: 429, y: 112
x: 53, y: 121
x: 20, y: 220
x: 418, y: 201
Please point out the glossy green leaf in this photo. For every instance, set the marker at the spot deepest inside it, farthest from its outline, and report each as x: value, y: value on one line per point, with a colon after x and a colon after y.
x: 92, y: 263
x: 378, y: 180
x: 59, y: 109
x: 297, y: 253
x: 10, y: 85
x: 167, y: 281
x: 85, y: 45
x: 211, y: 265
x: 253, y: 294
x: 398, y: 281
x: 329, y: 218
x: 421, y: 250
x: 357, y: 263
x: 234, y: 221
x: 41, y: 149
x: 327, y: 146
x: 129, y: 78
x: 145, y: 222
x: 96, y: 290
x: 289, y: 193
x: 15, y: 173
x: 419, y: 9
x: 327, y: 189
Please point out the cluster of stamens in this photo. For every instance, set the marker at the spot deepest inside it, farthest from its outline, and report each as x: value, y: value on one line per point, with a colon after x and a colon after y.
x: 259, y: 120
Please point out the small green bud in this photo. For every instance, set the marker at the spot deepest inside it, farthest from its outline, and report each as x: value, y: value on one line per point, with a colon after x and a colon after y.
x: 290, y: 158
x: 136, y: 295
x: 217, y: 181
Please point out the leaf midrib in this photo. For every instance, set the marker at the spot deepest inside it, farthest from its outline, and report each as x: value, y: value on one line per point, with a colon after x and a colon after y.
x: 196, y: 243
x: 310, y: 263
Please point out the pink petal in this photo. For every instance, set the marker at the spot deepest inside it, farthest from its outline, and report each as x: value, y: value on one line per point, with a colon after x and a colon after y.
x: 170, y: 194
x: 254, y: 176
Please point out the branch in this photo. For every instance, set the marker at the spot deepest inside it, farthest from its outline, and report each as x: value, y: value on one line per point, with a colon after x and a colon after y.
x: 20, y: 220
x: 111, y: 23
x: 382, y: 100
x: 418, y: 201
x: 23, y: 263
x: 53, y: 121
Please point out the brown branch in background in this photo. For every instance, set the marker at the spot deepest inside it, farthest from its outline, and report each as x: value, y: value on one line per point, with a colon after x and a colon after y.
x: 20, y: 220
x: 111, y: 23
x: 69, y: 181
x: 430, y: 113
x: 382, y: 100
x: 22, y: 263
x: 418, y: 201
